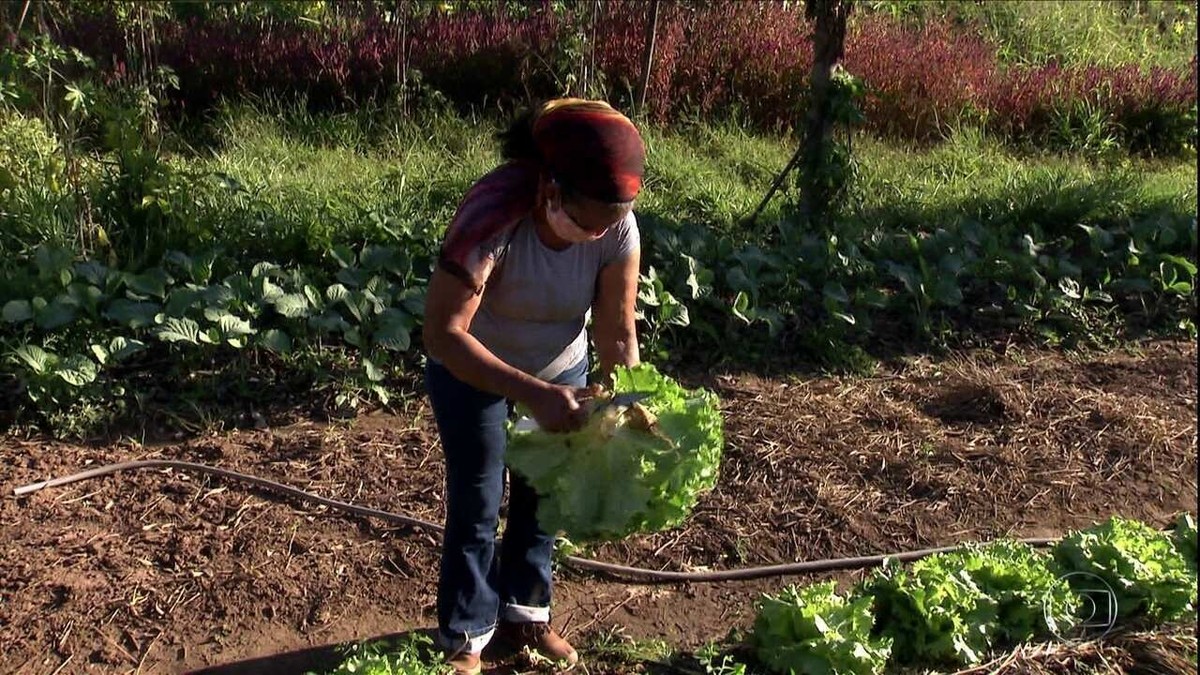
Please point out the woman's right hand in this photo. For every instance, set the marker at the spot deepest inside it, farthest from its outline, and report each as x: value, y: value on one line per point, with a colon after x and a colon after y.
x: 557, y: 408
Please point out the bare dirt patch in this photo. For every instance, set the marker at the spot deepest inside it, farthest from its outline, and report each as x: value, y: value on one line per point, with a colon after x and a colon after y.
x: 169, y: 572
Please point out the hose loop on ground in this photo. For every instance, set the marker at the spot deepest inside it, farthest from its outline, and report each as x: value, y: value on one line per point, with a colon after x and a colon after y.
x: 611, y: 570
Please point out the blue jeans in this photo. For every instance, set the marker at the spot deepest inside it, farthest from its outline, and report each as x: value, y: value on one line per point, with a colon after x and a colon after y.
x: 474, y: 582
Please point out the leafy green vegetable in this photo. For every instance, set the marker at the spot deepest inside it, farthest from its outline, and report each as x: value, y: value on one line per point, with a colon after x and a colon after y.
x: 1185, y: 538
x: 1031, y: 599
x: 1141, y: 565
x: 624, y: 472
x: 933, y: 611
x: 411, y: 655
x: 954, y: 607
x: 815, y: 631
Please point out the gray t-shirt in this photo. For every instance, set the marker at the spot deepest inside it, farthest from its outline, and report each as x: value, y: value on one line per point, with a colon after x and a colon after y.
x: 537, y: 301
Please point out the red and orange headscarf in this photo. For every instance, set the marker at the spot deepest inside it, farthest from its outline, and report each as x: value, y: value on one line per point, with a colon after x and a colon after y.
x: 587, y: 145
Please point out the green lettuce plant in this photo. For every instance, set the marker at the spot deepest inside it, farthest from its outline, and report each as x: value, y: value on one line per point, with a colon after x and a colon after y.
x: 628, y: 470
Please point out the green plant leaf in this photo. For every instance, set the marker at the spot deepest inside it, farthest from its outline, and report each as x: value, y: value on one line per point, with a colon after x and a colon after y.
x: 35, y: 358
x: 373, y: 372
x: 394, y: 330
x: 266, y: 269
x: 153, y: 282
x: 672, y: 311
x: 132, y: 314
x: 343, y: 255
x: 314, y: 297
x: 233, y: 326
x: 1182, y: 263
x: 101, y: 354
x: 60, y: 312
x: 337, y: 293
x: 292, y: 305
x: 198, y: 268
x: 52, y: 261
x: 77, y: 370
x: 620, y: 473
x: 329, y: 322
x: 17, y: 311
x: 175, y: 329
x: 377, y: 258
x: 276, y: 341
x: 121, y: 348
x: 413, y: 300
x: 92, y: 271
x: 740, y: 305
x: 1141, y: 565
x: 181, y: 301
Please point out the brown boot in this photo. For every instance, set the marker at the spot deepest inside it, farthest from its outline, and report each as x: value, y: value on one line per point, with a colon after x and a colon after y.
x: 465, y: 663
x: 539, y: 639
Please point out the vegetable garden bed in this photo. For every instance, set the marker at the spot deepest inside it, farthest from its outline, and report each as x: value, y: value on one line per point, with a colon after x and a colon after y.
x: 171, y: 572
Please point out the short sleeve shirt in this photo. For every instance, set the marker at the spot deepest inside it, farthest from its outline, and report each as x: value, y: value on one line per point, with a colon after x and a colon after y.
x: 536, y: 301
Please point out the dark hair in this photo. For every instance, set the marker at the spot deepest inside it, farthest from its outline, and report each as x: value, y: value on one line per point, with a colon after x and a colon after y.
x: 517, y: 142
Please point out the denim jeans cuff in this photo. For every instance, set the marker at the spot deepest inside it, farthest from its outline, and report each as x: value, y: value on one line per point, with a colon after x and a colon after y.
x: 525, y: 614
x: 468, y: 643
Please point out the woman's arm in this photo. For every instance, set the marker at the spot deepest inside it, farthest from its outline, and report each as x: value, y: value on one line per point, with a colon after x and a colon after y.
x: 449, y: 308
x: 614, y: 325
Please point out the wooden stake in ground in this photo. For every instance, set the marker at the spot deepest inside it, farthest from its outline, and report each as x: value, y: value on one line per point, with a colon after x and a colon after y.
x: 648, y: 55
x: 829, y: 39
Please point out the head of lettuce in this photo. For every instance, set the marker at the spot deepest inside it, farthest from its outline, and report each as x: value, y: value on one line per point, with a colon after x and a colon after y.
x: 628, y: 470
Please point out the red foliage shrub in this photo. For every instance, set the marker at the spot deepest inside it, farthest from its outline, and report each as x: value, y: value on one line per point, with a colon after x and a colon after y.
x: 720, y: 58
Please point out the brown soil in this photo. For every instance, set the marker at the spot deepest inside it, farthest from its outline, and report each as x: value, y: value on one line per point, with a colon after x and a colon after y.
x: 165, y: 572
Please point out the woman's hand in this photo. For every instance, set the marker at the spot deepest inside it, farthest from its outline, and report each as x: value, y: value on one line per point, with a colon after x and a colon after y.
x: 559, y: 409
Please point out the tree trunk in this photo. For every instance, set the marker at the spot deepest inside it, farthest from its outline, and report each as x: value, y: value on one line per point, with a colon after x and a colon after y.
x: 829, y: 37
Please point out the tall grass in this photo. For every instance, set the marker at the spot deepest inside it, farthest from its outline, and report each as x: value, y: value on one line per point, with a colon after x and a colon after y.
x: 329, y: 181
x: 280, y: 183
x: 974, y: 177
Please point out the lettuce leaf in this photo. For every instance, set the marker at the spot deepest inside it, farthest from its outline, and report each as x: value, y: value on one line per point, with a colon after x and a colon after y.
x: 619, y: 475
x: 955, y: 607
x: 1185, y: 539
x: 814, y: 631
x: 1144, y: 567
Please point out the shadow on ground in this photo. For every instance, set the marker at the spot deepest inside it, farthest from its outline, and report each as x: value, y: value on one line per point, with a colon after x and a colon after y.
x: 499, y: 660
x: 319, y: 659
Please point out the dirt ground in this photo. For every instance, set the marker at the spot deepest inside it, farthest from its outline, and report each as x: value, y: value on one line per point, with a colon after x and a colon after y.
x: 165, y: 572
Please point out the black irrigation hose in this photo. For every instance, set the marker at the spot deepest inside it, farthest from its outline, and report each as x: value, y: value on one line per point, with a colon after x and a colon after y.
x: 622, y: 572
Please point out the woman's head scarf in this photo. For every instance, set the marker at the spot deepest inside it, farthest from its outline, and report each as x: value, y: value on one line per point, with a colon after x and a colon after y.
x: 587, y: 146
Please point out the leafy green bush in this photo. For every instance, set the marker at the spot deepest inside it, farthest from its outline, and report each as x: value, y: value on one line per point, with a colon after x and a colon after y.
x: 1147, y: 573
x: 28, y: 151
x: 67, y: 323
x: 955, y: 607
x: 814, y: 631
x: 639, y: 469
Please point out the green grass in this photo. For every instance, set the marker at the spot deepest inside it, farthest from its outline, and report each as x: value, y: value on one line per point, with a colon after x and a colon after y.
x: 306, y: 182
x: 328, y: 172
x: 323, y: 185
x: 1105, y: 32
x: 973, y: 177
